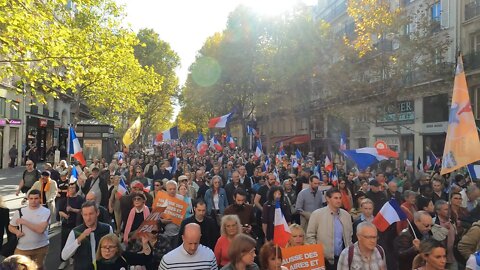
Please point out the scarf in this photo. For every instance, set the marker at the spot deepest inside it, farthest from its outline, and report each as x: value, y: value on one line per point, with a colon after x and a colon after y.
x: 131, y: 217
x: 45, y: 188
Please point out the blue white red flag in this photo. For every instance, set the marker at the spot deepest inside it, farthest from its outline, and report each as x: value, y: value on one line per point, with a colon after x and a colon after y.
x: 75, y: 150
x: 328, y: 164
x: 343, y: 141
x: 201, y: 145
x: 474, y: 171
x: 389, y: 214
x: 368, y: 156
x: 230, y: 141
x: 251, y: 131
x: 214, y: 144
x: 259, y: 150
x: 281, y: 231
x: 122, y: 188
x: 169, y: 134
x: 220, y: 122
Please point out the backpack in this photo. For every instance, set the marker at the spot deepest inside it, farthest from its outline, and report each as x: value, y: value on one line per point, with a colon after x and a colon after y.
x: 351, y: 250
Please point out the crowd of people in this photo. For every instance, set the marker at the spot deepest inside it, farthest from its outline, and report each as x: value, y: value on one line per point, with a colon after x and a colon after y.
x: 229, y: 223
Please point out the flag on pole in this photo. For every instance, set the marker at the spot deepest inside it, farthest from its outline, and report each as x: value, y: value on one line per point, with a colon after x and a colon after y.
x: 122, y: 188
x: 474, y: 171
x: 132, y: 133
x: 281, y: 231
x: 368, y: 156
x: 219, y: 122
x: 201, y: 145
x: 230, y: 141
x: 419, y: 165
x: 343, y: 141
x: 328, y: 163
x: 298, y: 154
x: 461, y: 143
x: 251, y: 131
x: 169, y: 134
x: 266, y: 165
x: 389, y: 214
x: 73, y: 175
x: 75, y: 150
x: 214, y: 144
x: 259, y: 150
x: 334, y: 177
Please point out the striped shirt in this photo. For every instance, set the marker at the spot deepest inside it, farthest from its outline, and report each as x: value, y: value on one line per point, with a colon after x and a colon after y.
x: 180, y: 259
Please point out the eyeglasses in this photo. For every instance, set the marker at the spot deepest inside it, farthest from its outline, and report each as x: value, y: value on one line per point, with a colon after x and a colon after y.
x: 370, y: 237
x: 157, y: 185
x: 108, y: 248
x: 139, y: 172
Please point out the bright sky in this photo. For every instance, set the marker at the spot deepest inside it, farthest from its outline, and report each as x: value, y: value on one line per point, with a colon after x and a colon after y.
x: 186, y: 24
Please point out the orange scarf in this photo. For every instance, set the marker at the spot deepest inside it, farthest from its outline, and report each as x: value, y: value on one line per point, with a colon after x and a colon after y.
x: 46, y: 188
x: 346, y: 200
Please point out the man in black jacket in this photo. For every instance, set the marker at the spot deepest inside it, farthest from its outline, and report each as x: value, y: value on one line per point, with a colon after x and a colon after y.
x: 378, y: 197
x: 209, y: 228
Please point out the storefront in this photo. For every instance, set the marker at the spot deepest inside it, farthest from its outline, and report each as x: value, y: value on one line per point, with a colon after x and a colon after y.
x: 40, y: 132
x: 97, y: 141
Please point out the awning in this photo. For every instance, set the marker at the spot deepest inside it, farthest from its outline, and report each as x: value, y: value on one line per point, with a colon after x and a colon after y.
x: 279, y: 139
x: 299, y: 139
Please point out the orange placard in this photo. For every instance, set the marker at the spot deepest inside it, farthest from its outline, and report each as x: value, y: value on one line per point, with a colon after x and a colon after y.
x: 175, y: 208
x: 304, y: 257
x: 150, y: 223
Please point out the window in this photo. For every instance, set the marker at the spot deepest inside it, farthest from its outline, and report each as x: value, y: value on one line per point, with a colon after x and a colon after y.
x: 476, y: 102
x: 475, y: 42
x: 436, y: 11
x: 2, y: 107
x: 14, y: 110
x: 435, y: 108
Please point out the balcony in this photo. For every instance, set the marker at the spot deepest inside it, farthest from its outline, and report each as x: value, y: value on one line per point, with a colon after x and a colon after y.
x: 472, y: 61
x: 472, y: 10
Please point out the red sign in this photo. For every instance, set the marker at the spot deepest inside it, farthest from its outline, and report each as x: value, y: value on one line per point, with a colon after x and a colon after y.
x: 43, y: 122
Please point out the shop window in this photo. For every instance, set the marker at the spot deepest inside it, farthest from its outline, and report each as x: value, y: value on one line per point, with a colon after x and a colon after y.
x: 362, y: 142
x: 2, y: 107
x: 436, y: 11
x: 14, y: 110
x: 34, y: 109
x: 435, y: 108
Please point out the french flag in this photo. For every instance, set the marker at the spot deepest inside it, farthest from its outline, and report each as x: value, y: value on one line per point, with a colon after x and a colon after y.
x: 389, y: 214
x: 251, y: 131
x: 230, y: 141
x: 432, y: 160
x: 298, y: 154
x: 343, y: 141
x: 75, y: 149
x: 334, y: 177
x: 328, y: 164
x: 219, y: 122
x: 474, y: 171
x: 267, y: 165
x: 201, y: 145
x: 215, y: 144
x: 122, y: 188
x: 74, y: 175
x: 170, y: 134
x: 367, y: 156
x: 258, y: 150
x: 281, y: 231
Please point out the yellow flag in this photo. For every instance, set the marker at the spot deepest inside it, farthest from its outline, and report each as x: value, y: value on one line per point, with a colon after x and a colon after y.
x: 132, y: 133
x: 462, y: 146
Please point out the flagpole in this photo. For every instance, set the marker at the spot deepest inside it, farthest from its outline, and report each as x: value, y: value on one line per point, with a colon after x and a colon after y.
x: 411, y: 227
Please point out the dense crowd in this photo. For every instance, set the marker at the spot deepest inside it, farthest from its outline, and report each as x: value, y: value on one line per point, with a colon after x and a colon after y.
x: 231, y: 198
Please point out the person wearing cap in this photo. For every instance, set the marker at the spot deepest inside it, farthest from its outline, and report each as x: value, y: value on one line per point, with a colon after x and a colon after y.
x: 378, y: 197
x: 48, y: 192
x: 54, y: 174
x: 192, y: 193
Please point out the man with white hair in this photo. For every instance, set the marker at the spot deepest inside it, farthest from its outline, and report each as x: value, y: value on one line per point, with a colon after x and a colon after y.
x: 365, y: 253
x: 191, y: 254
x: 171, y: 229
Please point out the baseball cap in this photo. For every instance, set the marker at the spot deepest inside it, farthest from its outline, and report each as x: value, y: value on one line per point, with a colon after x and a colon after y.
x: 45, y: 173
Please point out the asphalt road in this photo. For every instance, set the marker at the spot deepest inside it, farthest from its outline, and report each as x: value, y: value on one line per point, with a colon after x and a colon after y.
x: 9, y: 179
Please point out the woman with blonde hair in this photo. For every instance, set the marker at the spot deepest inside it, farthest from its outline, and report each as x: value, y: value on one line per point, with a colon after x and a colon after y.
x: 229, y: 228
x: 183, y: 190
x: 18, y: 262
x: 432, y: 256
x: 109, y: 253
x: 242, y: 253
x: 297, y: 236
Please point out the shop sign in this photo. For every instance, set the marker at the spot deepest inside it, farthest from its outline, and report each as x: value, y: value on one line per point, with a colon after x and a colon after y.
x: 3, y: 122
x: 15, y: 122
x: 43, y: 122
x: 396, y: 112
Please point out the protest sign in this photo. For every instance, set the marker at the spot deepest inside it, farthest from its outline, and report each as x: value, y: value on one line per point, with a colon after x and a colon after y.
x: 175, y: 208
x: 304, y: 257
x: 150, y: 223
